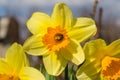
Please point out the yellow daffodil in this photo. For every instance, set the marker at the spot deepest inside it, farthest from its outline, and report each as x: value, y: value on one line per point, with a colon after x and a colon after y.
x: 102, y: 61
x: 15, y: 66
x: 57, y: 37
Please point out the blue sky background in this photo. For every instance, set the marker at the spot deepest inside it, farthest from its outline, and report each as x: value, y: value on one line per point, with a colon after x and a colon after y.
x: 25, y: 7
x: 22, y: 9
x: 47, y: 5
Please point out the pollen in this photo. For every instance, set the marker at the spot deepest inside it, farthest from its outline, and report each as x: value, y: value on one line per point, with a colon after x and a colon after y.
x: 111, y: 68
x: 55, y: 38
x: 8, y: 77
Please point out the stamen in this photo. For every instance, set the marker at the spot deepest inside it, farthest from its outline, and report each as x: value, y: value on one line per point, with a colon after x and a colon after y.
x: 59, y: 37
x: 111, y: 68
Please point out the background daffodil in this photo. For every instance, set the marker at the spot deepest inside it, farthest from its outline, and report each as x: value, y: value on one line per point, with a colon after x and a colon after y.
x: 102, y: 61
x: 15, y: 66
x: 57, y: 37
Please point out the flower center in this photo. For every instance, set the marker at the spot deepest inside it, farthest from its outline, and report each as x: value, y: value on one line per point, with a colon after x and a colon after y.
x: 8, y: 77
x: 111, y: 68
x: 55, y: 38
x: 59, y: 37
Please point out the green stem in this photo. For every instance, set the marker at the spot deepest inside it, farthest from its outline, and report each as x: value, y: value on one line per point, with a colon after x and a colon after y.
x: 66, y: 73
x: 72, y: 74
x: 50, y: 77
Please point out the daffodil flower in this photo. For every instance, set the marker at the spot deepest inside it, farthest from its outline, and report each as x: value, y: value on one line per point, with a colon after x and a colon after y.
x: 102, y: 61
x: 57, y: 37
x: 15, y: 66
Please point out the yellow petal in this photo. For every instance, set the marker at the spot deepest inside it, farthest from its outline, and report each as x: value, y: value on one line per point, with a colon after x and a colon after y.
x: 29, y: 73
x: 88, y: 72
x: 54, y: 63
x: 62, y: 16
x: 38, y: 23
x: 114, y: 48
x: 34, y: 46
x: 83, y: 29
x: 4, y: 67
x: 16, y: 57
x: 73, y: 52
x: 83, y: 21
x: 95, y: 49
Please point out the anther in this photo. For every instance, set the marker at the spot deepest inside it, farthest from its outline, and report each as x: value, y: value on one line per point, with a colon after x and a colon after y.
x: 59, y: 37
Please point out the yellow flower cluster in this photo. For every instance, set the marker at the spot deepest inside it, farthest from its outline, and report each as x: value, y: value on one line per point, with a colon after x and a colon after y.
x: 57, y: 39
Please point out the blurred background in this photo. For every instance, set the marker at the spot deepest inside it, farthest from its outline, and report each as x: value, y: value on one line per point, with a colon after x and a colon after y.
x: 15, y: 13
